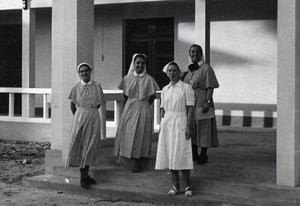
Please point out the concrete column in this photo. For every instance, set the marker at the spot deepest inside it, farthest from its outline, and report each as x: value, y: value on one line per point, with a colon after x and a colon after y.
x: 72, y: 43
x: 202, y: 27
x: 28, y: 60
x: 288, y: 102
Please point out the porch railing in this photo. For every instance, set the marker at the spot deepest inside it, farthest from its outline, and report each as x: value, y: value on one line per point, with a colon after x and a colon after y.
x: 109, y: 95
x: 27, y: 114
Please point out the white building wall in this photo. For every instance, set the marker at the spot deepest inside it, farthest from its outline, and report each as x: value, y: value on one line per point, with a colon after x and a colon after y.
x: 243, y: 54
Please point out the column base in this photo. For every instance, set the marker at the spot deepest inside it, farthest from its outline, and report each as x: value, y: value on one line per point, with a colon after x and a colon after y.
x: 52, y: 158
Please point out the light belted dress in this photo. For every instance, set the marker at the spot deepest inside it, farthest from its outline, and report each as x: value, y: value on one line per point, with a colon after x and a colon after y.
x: 85, y: 133
x: 134, y: 132
x: 174, y: 151
x: 205, y: 131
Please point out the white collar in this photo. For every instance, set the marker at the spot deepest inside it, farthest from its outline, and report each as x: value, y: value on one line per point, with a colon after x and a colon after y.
x: 179, y: 83
x: 140, y: 75
x: 83, y: 83
x: 200, y: 62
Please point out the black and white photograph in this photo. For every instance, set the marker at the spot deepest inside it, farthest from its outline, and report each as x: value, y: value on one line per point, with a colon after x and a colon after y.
x: 150, y: 102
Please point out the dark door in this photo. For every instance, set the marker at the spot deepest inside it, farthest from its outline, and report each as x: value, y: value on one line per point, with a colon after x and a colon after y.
x: 10, y: 63
x: 155, y: 38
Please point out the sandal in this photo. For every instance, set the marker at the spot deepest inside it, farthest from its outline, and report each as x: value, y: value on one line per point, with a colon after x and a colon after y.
x: 188, y: 192
x: 173, y: 191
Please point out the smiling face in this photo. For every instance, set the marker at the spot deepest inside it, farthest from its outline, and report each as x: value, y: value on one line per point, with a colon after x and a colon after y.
x: 139, y: 64
x: 173, y: 73
x: 85, y: 73
x: 195, y: 53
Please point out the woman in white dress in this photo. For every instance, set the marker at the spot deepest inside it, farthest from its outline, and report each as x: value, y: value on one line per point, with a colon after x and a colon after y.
x: 174, y: 150
x: 86, y: 97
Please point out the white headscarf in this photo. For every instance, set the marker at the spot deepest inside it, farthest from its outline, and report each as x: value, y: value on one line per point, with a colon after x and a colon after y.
x: 85, y: 64
x: 165, y: 69
x: 132, y: 68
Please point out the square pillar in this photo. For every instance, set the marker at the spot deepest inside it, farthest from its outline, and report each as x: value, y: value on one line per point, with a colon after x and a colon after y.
x: 288, y: 100
x: 28, y: 60
x: 202, y: 27
x: 72, y: 43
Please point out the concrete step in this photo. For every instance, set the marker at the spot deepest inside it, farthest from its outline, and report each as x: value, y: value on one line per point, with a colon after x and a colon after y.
x: 152, y: 186
x: 234, y: 173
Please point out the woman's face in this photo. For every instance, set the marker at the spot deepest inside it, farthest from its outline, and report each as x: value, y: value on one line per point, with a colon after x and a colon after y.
x: 173, y: 73
x: 85, y: 73
x: 195, y: 54
x: 139, y: 65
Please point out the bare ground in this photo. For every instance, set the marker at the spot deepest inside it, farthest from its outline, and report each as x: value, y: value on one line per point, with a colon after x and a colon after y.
x: 21, y: 158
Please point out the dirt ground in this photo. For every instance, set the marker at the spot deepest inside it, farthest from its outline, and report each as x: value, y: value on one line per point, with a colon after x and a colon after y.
x: 19, y: 159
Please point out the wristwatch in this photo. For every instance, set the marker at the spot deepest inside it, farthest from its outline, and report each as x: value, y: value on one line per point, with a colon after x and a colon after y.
x: 208, y: 101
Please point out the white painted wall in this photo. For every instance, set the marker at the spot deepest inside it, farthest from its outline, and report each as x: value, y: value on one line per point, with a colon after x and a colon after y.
x: 244, y: 57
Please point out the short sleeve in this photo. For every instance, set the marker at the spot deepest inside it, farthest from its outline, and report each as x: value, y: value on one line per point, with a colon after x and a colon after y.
x: 190, y: 97
x: 99, y: 94
x: 121, y: 85
x: 73, y: 95
x: 211, y: 79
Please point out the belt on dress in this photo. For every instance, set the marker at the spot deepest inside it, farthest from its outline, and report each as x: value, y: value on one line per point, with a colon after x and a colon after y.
x: 87, y: 108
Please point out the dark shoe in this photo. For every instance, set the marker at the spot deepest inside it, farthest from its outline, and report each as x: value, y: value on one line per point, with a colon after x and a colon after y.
x: 202, y: 159
x: 91, y: 181
x: 84, y: 182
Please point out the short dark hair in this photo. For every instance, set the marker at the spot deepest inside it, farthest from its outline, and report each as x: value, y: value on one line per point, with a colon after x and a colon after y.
x: 196, y: 45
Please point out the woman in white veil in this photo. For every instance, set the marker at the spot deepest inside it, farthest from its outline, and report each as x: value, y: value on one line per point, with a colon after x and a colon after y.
x: 133, y: 137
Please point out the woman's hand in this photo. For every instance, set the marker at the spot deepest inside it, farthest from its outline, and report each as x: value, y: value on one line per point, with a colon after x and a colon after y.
x: 188, y: 132
x: 205, y: 108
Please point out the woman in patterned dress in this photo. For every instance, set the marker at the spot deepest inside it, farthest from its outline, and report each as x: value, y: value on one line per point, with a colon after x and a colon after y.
x: 203, y: 80
x: 134, y: 132
x: 86, y: 97
x: 174, y: 150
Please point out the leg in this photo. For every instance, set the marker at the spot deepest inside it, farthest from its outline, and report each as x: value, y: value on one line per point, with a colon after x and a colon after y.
x: 84, y: 177
x: 188, y: 192
x: 195, y: 152
x: 203, y: 156
x: 186, y: 177
x: 175, y: 181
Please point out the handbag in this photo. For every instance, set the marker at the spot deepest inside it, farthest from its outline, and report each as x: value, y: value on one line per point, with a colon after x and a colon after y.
x: 199, y: 115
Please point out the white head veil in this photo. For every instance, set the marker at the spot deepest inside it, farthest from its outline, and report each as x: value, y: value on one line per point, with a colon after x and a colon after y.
x: 165, y: 69
x: 85, y: 64
x: 132, y: 68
